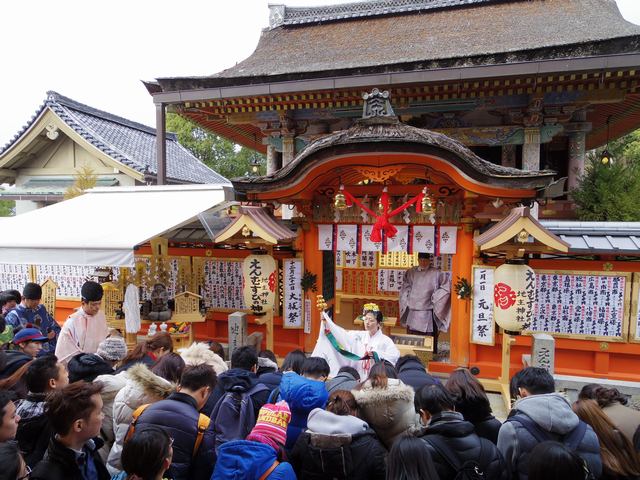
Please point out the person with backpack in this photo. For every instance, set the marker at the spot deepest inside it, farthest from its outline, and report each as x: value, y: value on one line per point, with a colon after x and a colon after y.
x: 242, y: 380
x: 457, y: 452
x: 540, y: 415
x: 261, y: 455
x: 179, y: 415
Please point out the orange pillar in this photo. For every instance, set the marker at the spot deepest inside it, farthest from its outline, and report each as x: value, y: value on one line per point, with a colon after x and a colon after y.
x: 460, y: 326
x: 313, y: 263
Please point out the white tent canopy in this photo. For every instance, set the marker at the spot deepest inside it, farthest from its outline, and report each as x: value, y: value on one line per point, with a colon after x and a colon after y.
x: 103, y: 226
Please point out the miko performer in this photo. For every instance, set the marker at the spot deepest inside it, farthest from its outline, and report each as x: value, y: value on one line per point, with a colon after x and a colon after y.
x: 357, y: 349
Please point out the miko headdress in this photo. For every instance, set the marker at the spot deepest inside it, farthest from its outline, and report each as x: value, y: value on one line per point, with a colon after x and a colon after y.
x: 370, y: 307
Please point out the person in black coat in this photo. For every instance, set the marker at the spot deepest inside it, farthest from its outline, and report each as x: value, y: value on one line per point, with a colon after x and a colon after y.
x: 179, y: 415
x: 472, y: 402
x: 411, y: 371
x: 75, y: 414
x: 338, y: 445
x: 44, y: 375
x: 448, y: 434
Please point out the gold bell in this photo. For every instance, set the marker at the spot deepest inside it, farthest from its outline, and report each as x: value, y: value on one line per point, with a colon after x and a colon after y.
x: 339, y: 201
x: 427, y: 204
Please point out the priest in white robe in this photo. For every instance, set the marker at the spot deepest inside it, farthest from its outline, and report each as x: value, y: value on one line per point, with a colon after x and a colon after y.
x: 86, y: 328
x: 355, y: 348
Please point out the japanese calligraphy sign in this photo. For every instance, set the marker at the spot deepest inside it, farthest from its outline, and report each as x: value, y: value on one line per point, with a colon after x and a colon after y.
x: 424, y: 239
x: 399, y: 243
x: 514, y: 296
x: 293, y: 295
x: 448, y: 239
x: 367, y: 244
x: 482, y: 323
x: 583, y: 304
x: 636, y: 320
x: 14, y: 277
x: 325, y: 237
x: 259, y: 278
x: 346, y: 239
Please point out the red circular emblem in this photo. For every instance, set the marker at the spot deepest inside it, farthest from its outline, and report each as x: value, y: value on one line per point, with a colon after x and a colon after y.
x: 272, y: 282
x: 504, y: 296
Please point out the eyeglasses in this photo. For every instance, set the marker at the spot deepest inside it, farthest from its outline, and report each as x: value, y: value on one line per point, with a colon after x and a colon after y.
x: 26, y: 475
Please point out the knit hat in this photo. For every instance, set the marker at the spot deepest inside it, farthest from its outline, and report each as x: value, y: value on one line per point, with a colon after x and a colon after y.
x: 112, y: 348
x: 87, y: 366
x: 272, y: 424
x: 29, y: 335
x: 91, y: 291
x: 32, y: 291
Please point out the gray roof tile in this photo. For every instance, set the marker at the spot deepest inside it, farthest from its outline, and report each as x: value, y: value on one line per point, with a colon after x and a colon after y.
x: 128, y: 142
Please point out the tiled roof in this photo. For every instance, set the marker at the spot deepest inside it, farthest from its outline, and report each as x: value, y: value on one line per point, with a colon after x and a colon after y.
x: 468, y: 33
x: 127, y: 142
x: 622, y: 238
x: 283, y: 15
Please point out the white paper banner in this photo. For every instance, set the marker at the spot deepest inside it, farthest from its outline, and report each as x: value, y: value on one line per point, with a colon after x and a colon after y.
x: 325, y: 237
x: 338, y: 279
x: 482, y: 323
x: 424, y: 239
x: 367, y: 244
x: 347, y: 238
x: 293, y: 295
x: 399, y: 243
x: 307, y: 316
x: 390, y: 280
x: 448, y: 237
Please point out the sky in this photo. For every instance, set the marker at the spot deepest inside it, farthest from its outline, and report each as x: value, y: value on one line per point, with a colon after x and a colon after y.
x: 98, y: 52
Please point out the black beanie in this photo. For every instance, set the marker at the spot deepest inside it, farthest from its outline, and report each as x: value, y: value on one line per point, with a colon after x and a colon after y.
x: 91, y: 291
x: 32, y: 291
x: 87, y: 366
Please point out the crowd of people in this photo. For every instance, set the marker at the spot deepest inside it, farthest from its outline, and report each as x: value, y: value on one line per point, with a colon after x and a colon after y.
x: 101, y: 412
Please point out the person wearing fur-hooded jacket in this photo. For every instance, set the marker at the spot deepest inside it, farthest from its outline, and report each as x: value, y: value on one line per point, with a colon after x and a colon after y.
x: 338, y: 444
x: 199, y: 353
x: 386, y: 403
x: 142, y: 387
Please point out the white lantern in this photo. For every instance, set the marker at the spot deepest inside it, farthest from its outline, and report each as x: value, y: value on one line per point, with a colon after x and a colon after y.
x: 259, y: 282
x: 514, y: 295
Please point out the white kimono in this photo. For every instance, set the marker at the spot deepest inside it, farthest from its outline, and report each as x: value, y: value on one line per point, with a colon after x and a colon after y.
x: 81, y: 333
x: 355, y: 341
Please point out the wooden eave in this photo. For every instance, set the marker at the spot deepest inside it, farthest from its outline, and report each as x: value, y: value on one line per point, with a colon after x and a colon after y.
x: 260, y: 223
x: 500, y: 236
x: 611, y: 92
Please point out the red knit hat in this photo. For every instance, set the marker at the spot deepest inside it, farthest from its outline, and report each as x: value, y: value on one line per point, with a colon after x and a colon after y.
x: 272, y: 423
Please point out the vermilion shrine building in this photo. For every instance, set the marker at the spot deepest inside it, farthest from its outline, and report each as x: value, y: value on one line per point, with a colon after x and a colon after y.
x: 494, y: 104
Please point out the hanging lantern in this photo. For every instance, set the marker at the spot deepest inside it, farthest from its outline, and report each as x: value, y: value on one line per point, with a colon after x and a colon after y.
x: 514, y: 295
x: 259, y: 282
x: 340, y: 201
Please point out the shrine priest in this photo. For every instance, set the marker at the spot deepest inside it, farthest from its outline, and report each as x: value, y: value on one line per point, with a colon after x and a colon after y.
x: 86, y: 328
x: 359, y: 349
x: 425, y: 300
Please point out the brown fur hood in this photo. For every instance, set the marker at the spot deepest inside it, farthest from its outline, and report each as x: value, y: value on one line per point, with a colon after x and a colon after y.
x: 149, y: 382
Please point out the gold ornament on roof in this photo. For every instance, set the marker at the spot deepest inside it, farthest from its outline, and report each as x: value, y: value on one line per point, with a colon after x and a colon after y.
x: 523, y: 236
x: 246, y: 231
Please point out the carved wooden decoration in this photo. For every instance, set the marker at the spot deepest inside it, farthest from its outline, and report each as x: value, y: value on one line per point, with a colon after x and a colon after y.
x: 378, y: 174
x: 49, y: 293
